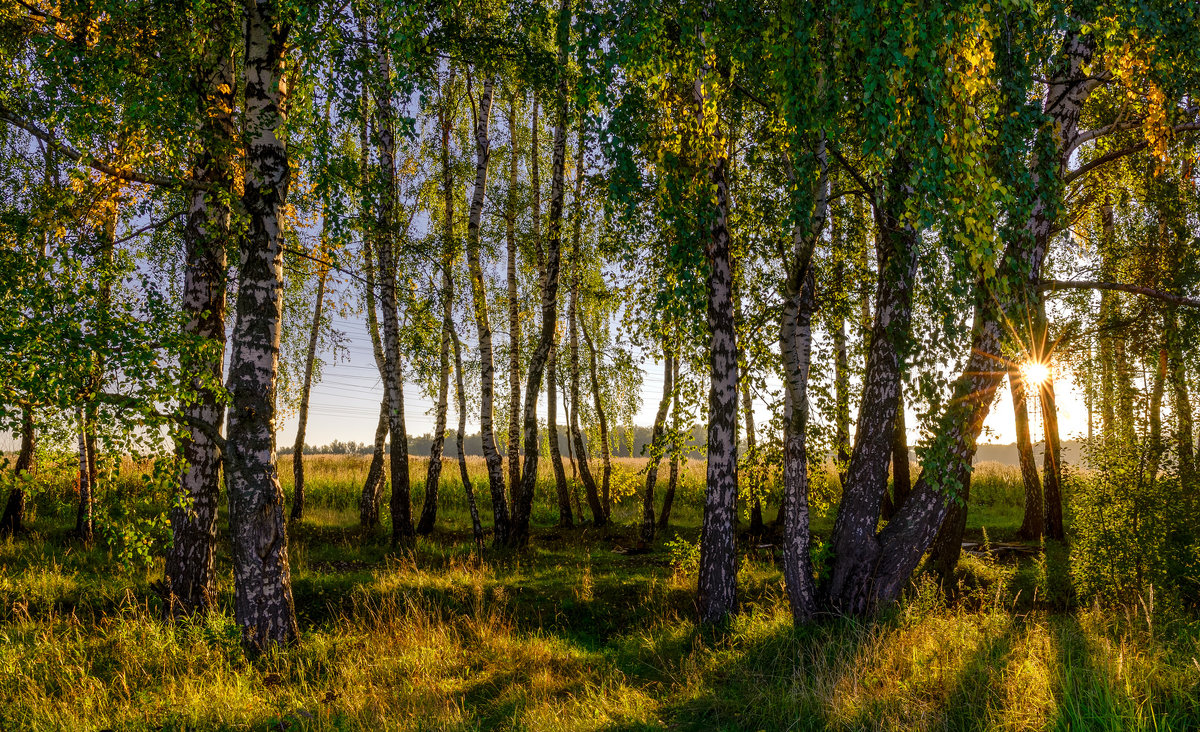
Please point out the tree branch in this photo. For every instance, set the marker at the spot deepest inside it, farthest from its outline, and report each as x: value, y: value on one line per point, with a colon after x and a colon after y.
x: 121, y: 400
x: 1056, y: 285
x: 1123, y: 152
x: 14, y: 119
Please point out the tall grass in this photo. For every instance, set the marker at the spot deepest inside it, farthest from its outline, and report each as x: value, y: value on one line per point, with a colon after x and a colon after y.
x: 573, y: 634
x: 570, y: 636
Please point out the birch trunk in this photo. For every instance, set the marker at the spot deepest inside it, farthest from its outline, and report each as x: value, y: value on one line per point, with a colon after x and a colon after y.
x: 459, y: 442
x: 542, y: 354
x: 853, y: 540
x: 599, y: 518
x: 13, y: 520
x: 796, y: 348
x: 372, y: 490
x: 393, y: 387
x: 909, y: 533
x: 491, y: 453
x: 83, y: 517
x: 514, y: 313
x: 1177, y: 377
x: 433, y: 473
x: 602, y: 422
x: 1052, y: 459
x: 1033, y: 523
x: 189, y: 563
x: 372, y: 493
x: 901, y: 472
x: 676, y: 447
x: 656, y: 446
x: 305, y: 389
x: 262, y: 603
x: 717, y: 583
x: 565, y: 517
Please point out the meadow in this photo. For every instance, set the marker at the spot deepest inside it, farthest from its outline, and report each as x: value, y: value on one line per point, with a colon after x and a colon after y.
x: 576, y: 633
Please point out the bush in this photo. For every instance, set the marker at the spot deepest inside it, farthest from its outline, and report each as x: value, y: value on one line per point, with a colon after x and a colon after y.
x: 1131, y: 524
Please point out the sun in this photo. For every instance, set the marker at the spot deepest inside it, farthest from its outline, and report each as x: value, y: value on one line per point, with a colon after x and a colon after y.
x: 1036, y: 373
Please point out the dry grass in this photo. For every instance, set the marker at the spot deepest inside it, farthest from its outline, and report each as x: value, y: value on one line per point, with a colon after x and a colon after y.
x: 570, y: 635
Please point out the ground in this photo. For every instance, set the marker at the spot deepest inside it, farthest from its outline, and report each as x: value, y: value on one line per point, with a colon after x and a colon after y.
x: 577, y: 633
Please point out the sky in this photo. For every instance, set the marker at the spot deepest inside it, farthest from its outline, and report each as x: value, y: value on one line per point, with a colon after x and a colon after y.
x: 344, y: 405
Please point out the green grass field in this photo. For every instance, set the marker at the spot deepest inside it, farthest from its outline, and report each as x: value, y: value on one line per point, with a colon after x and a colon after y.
x: 574, y: 635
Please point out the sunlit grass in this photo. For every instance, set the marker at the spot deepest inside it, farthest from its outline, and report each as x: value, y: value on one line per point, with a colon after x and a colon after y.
x: 571, y: 635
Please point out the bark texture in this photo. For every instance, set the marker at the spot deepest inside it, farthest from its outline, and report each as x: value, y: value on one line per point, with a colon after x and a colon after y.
x: 599, y: 517
x: 459, y: 437
x: 514, y: 312
x: 601, y: 423
x: 189, y: 563
x: 262, y: 602
x: 853, y: 541
x: 717, y: 583
x: 664, y: 517
x: 84, y: 528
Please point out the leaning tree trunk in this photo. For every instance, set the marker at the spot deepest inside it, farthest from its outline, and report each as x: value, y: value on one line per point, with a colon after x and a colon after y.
x: 1033, y: 524
x: 853, y: 541
x: 602, y: 424
x: 542, y: 356
x: 393, y: 387
x: 104, y: 252
x: 459, y: 442
x: 656, y: 446
x: 434, y: 473
x: 757, y: 527
x: 664, y: 517
x: 717, y: 583
x: 841, y: 367
x: 13, y: 520
x: 487, y: 378
x: 305, y: 389
x: 946, y: 549
x: 1156, y: 446
x: 262, y: 595
x: 902, y: 543
x: 565, y: 517
x: 189, y: 562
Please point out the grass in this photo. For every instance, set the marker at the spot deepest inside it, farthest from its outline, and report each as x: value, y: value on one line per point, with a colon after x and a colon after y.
x: 572, y: 635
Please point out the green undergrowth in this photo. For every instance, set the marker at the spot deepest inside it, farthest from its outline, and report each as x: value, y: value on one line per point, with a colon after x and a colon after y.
x: 576, y: 633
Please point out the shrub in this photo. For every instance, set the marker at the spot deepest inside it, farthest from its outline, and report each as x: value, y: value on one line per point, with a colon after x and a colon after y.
x: 1131, y: 524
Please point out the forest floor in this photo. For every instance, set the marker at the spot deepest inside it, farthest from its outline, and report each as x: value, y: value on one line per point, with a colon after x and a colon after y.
x: 575, y: 634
